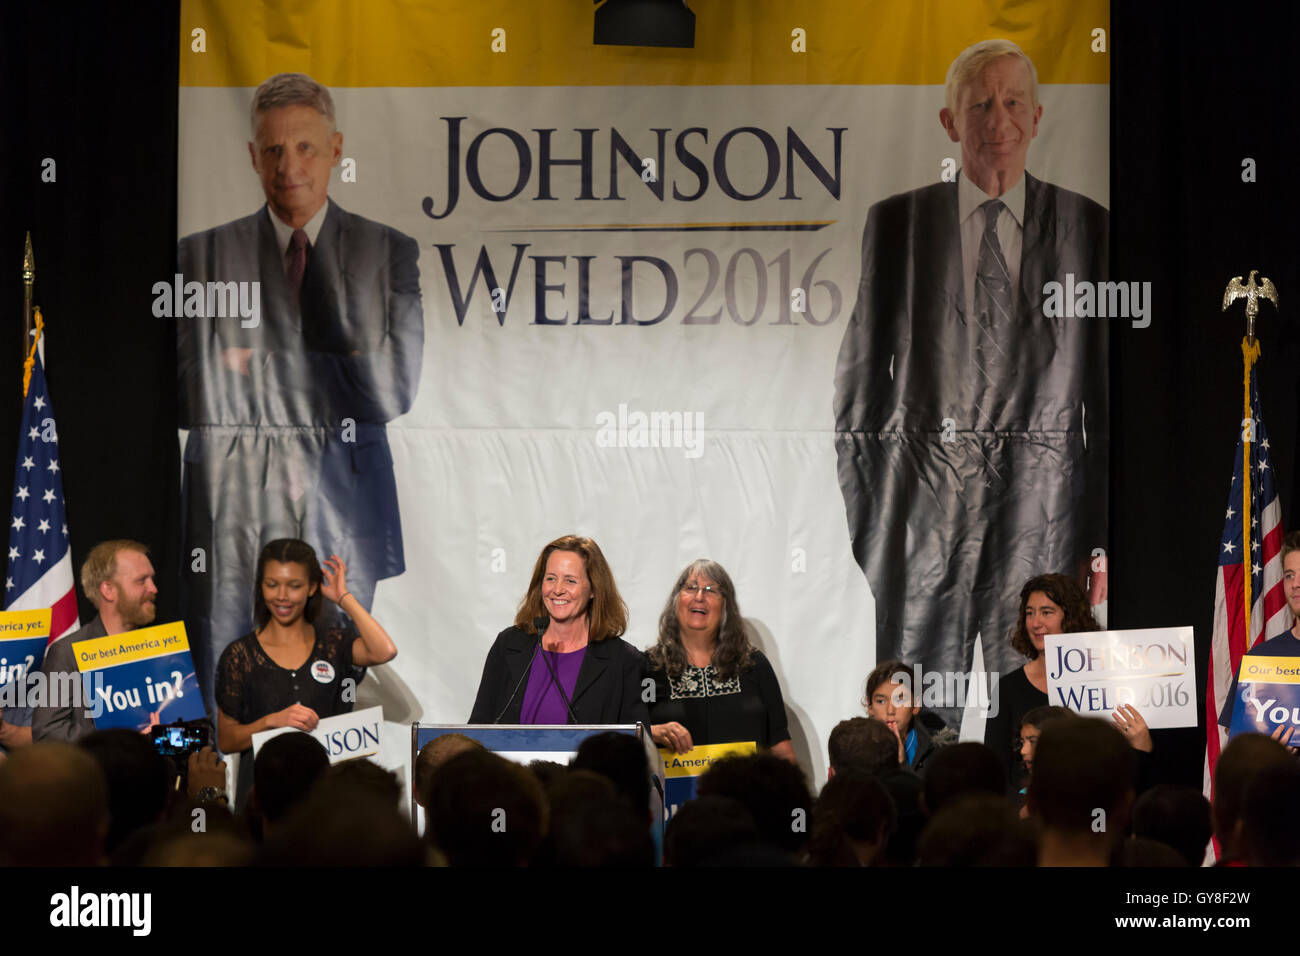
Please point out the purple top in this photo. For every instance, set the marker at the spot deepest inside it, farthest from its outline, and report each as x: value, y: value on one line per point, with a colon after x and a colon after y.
x: 542, y: 702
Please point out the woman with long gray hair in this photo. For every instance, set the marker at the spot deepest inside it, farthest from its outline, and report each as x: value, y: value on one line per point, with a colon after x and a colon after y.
x: 712, y: 686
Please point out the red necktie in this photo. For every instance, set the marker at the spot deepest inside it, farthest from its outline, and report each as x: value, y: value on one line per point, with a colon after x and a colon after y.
x: 297, y: 261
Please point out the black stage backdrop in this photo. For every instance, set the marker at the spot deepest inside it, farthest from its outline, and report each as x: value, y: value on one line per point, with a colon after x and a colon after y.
x: 94, y: 88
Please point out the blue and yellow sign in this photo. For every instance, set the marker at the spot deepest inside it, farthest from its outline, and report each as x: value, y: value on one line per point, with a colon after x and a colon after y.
x: 141, y: 677
x: 683, y: 771
x: 23, y: 637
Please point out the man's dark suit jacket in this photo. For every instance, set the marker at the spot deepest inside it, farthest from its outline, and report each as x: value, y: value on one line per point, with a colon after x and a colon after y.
x: 608, y: 689
x: 948, y: 531
x: 298, y: 446
x: 65, y: 724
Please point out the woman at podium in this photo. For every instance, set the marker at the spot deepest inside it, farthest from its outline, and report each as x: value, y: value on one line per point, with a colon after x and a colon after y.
x: 563, y: 661
x: 294, y: 667
x: 712, y: 686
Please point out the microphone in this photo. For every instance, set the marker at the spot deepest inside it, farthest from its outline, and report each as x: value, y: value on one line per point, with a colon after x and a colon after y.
x: 541, y: 622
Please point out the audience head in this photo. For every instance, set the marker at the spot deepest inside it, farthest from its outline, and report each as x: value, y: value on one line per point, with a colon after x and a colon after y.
x: 200, y: 849
x: 222, y: 842
x: 1083, y: 780
x: 286, y: 768
x: 861, y: 743
x: 890, y: 694
x: 622, y: 759
x: 772, y: 789
x: 53, y: 807
x: 1050, y: 604
x: 715, y: 614
x: 1271, y: 797
x: 433, y: 755
x: 350, y: 818
x: 905, y: 790
x: 852, y: 821
x: 1139, y: 851
x: 1245, y: 756
x: 977, y: 829
x: 484, y: 810
x: 1176, y: 816
x: 1031, y: 728
x: 959, y: 770
x: 591, y: 825
x: 705, y: 829
x: 137, y: 776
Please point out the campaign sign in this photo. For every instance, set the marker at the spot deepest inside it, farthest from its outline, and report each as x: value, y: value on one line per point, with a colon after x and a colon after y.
x: 1153, y: 669
x: 140, y: 678
x: 683, y: 771
x: 1268, y: 696
x: 23, y: 636
x: 344, y: 737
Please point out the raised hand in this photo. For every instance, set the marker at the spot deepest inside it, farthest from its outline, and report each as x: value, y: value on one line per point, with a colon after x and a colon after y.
x: 335, y: 585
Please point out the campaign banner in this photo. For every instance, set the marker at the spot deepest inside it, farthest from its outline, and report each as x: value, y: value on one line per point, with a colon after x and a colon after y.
x: 1268, y: 696
x: 140, y: 678
x: 682, y: 772
x: 345, y: 737
x: 703, y: 302
x: 23, y: 638
x: 1154, y: 669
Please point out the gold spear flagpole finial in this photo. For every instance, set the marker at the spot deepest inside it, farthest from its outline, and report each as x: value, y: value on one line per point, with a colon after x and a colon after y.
x: 1252, y: 293
x: 29, y: 262
x: 29, y: 280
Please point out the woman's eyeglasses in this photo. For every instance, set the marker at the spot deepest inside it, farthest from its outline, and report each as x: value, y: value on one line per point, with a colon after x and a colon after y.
x: 707, y: 590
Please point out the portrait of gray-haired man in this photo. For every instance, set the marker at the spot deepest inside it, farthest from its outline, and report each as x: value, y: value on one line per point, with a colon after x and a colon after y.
x: 971, y: 428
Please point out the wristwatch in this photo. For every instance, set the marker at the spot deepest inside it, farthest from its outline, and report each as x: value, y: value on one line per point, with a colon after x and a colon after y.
x: 212, y: 794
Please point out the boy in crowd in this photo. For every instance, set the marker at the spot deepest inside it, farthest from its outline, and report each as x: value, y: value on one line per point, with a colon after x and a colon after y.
x: 891, y: 699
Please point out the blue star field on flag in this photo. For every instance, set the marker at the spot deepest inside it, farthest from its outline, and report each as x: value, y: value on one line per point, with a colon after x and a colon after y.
x: 38, y: 529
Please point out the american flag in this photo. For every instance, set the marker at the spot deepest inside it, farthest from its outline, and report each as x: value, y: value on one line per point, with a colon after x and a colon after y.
x: 40, y: 563
x: 1255, y: 548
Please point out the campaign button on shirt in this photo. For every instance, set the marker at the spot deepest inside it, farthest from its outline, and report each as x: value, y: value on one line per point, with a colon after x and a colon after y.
x: 322, y: 671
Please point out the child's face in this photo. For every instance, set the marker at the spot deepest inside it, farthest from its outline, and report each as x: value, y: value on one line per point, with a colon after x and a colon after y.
x: 891, y: 704
x: 1028, y: 741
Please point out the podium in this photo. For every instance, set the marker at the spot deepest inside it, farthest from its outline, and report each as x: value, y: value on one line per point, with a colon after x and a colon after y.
x: 524, y: 743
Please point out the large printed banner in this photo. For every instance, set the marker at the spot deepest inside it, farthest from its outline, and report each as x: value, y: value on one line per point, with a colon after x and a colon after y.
x: 637, y: 294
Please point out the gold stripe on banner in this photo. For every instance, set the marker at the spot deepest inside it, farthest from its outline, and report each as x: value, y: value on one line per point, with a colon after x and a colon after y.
x: 395, y: 43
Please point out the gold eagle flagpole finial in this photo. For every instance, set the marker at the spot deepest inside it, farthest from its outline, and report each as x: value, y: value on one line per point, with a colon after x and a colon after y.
x: 1252, y: 293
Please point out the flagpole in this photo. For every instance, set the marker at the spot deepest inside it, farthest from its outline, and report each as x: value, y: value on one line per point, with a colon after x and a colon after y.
x: 1249, y: 353
x: 1252, y: 293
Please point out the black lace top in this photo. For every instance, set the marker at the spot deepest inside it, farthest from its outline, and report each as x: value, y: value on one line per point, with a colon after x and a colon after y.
x: 250, y: 685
